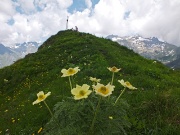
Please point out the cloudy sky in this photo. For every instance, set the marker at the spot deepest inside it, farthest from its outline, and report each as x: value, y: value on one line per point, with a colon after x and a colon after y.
x: 36, y: 20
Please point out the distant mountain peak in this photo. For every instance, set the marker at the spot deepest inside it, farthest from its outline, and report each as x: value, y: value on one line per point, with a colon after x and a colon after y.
x: 151, y: 47
x: 4, y: 49
x: 25, y: 44
x: 19, y: 50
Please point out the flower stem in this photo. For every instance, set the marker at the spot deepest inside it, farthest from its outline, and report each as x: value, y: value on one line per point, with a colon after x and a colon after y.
x: 48, y: 108
x: 70, y: 82
x: 120, y: 95
x: 112, y: 78
x: 95, y: 114
x: 51, y: 114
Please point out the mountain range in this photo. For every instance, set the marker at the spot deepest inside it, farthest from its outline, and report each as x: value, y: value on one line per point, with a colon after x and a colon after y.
x: 10, y: 55
x: 151, y: 48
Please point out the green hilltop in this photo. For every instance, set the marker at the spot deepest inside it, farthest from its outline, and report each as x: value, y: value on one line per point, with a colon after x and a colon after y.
x: 154, y: 106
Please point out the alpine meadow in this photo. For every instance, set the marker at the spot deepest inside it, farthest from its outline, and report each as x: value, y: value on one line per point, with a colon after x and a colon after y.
x: 80, y: 84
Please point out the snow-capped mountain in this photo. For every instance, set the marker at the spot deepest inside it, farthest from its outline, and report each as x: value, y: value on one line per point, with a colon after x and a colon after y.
x: 4, y: 49
x: 10, y: 55
x: 25, y: 48
x: 151, y: 48
x: 176, y: 63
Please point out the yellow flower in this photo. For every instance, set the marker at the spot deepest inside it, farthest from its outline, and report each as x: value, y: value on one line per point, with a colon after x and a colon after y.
x: 94, y: 79
x: 40, y: 130
x: 5, y: 80
x: 41, y: 97
x: 110, y: 117
x: 70, y: 71
x: 102, y: 90
x: 6, y: 111
x: 126, y: 84
x: 113, y: 69
x: 81, y: 92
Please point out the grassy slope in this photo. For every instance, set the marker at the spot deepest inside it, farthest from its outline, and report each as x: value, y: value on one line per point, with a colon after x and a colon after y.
x: 155, y: 106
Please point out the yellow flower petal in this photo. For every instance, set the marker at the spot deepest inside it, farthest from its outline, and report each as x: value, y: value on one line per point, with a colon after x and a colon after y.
x: 81, y: 92
x: 41, y: 97
x: 6, y: 111
x: 70, y: 71
x: 126, y: 84
x: 102, y: 90
x: 114, y: 69
x: 94, y: 79
x: 40, y: 130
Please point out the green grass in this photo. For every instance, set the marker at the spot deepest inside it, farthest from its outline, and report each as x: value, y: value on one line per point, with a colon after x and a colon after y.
x: 154, y: 107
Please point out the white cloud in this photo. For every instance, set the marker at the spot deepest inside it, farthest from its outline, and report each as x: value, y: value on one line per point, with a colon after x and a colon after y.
x: 36, y: 22
x: 106, y: 18
x: 65, y: 3
x: 88, y: 3
x: 109, y: 15
x: 83, y: 21
x: 27, y: 6
x: 156, y: 18
x: 7, y: 7
x: 42, y: 18
x: 7, y: 10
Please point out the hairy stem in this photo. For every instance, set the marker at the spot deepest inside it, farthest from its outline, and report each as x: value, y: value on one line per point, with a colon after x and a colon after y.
x: 95, y: 115
x: 112, y: 78
x: 70, y: 82
x: 48, y: 108
x: 51, y: 114
x: 120, y: 95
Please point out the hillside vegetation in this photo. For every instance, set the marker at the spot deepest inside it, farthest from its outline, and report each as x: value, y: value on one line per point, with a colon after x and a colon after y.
x: 154, y: 107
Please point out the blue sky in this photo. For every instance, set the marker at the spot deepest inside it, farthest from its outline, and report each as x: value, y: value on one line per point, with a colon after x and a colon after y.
x: 80, y: 5
x: 36, y: 20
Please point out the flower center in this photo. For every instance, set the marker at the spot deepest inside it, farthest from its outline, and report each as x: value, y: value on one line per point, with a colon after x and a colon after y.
x: 71, y: 71
x: 82, y: 93
x: 103, y: 90
x: 41, y: 97
x: 114, y: 69
x: 128, y: 84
